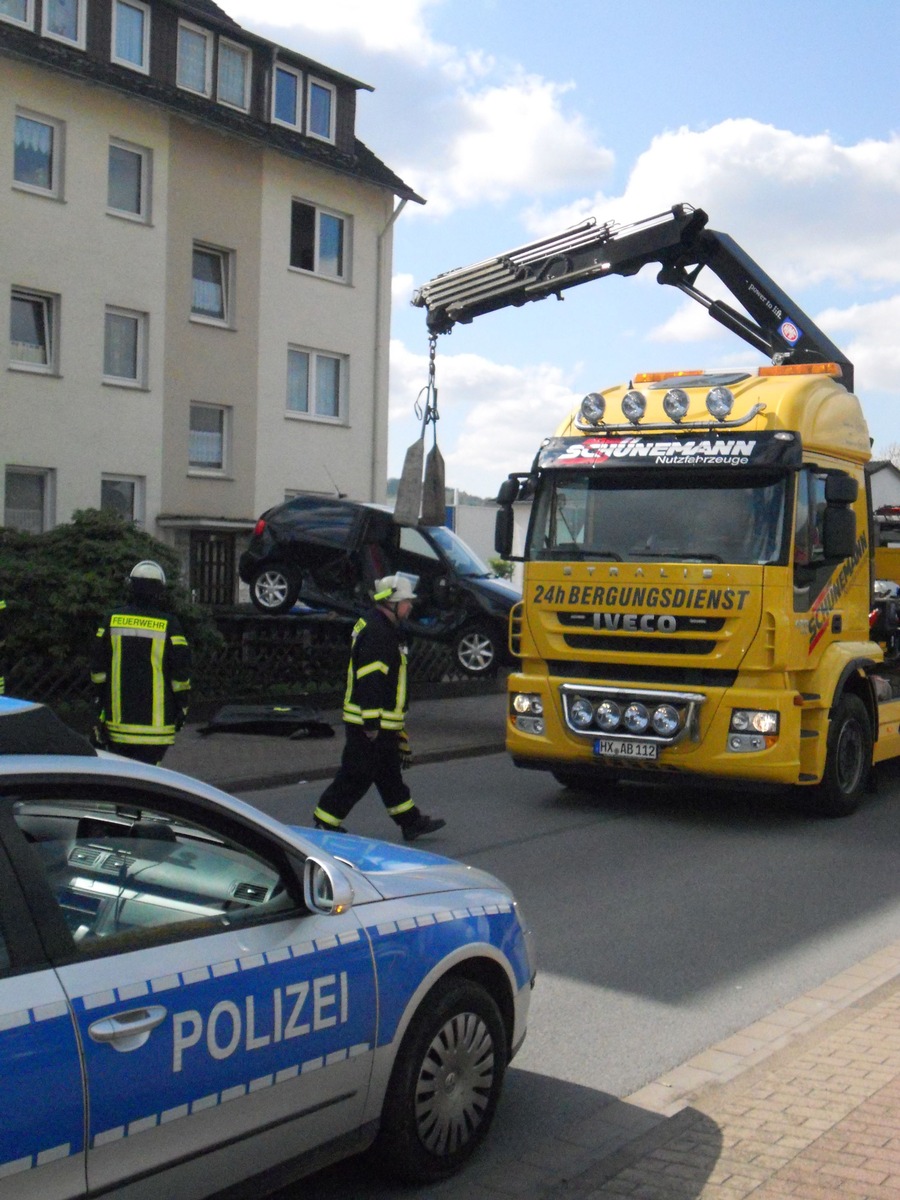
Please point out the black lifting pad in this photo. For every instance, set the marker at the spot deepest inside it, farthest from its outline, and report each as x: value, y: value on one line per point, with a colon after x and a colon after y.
x: 287, y: 720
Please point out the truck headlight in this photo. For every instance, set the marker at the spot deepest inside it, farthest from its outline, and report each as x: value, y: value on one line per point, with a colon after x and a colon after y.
x: 528, y: 702
x: 676, y: 403
x: 666, y: 720
x: 581, y: 712
x: 636, y: 718
x: 608, y: 715
x: 593, y: 406
x: 753, y: 720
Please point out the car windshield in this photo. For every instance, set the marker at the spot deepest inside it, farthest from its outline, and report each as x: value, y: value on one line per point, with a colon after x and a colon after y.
x: 709, y: 518
x: 465, y: 562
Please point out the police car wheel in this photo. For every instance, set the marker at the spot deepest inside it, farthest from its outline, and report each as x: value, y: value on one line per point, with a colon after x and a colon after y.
x: 275, y: 589
x: 476, y: 650
x: 445, y: 1084
x: 849, y: 760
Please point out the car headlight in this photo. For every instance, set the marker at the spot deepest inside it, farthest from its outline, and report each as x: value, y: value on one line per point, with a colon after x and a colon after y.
x: 636, y: 718
x: 751, y: 720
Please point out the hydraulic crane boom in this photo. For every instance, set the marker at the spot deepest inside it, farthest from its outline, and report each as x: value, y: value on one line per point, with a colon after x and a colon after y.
x: 678, y: 240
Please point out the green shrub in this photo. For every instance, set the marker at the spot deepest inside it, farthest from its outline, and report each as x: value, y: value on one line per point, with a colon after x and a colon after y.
x: 59, y: 584
x: 501, y: 567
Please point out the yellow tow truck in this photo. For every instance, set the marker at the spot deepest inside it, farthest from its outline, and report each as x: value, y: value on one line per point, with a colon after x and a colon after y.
x: 698, y: 596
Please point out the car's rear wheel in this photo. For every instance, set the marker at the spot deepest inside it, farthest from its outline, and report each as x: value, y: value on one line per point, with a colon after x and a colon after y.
x: 445, y: 1083
x: 274, y: 589
x: 477, y: 649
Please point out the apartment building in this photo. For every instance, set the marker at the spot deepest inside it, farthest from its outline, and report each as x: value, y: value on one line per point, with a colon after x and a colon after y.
x: 195, y: 275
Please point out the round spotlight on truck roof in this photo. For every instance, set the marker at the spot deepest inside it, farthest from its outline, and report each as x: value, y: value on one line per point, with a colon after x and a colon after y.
x: 676, y: 403
x: 593, y: 406
x: 634, y: 405
x: 719, y: 402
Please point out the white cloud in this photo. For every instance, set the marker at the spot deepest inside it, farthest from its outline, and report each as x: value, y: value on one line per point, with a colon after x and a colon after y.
x: 820, y: 210
x: 493, y: 415
x: 507, y: 139
x: 871, y: 345
x: 394, y: 26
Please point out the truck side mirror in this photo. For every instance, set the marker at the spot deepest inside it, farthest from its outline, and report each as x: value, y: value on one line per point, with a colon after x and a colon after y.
x: 503, y: 531
x: 509, y: 491
x: 838, y: 532
x: 841, y: 489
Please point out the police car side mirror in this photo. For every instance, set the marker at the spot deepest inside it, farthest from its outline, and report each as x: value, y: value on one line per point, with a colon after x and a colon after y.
x: 326, y: 890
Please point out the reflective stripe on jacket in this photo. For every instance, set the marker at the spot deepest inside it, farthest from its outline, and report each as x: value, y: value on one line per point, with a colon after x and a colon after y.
x: 141, y: 667
x: 376, y: 676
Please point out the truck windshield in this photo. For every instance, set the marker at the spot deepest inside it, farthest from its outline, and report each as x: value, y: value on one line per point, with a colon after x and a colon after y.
x: 581, y: 515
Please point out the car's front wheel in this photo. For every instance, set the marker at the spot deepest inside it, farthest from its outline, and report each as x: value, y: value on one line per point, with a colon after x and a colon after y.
x: 477, y: 649
x: 445, y: 1083
x: 274, y: 589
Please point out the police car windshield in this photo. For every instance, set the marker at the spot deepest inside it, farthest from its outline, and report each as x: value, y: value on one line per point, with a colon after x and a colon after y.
x: 586, y: 515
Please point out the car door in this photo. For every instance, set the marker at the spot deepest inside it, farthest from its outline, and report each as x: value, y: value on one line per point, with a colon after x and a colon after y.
x: 42, y: 1099
x: 225, y: 1028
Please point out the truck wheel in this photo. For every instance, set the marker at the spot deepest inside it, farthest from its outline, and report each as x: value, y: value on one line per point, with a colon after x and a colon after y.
x: 477, y: 649
x: 849, y: 759
x: 445, y: 1084
x: 274, y: 589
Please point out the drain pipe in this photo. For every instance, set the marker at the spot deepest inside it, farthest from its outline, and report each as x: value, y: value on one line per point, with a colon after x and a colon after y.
x: 376, y: 365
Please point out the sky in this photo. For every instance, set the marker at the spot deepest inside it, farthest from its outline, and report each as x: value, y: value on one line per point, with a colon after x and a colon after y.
x: 515, y: 119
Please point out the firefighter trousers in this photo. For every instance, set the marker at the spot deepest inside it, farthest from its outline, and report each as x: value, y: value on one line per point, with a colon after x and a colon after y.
x: 363, y: 763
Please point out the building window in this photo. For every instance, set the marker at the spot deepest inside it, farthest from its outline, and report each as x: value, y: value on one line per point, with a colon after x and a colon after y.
x: 320, y: 110
x: 28, y: 505
x: 64, y: 20
x: 38, y: 154
x: 128, y: 181
x: 32, y: 331
x: 124, y: 496
x: 286, y: 98
x: 234, y: 76
x: 194, y: 59
x: 318, y: 240
x: 315, y: 384
x: 131, y: 35
x: 124, y: 347
x: 211, y: 291
x: 208, y: 441
x: 17, y: 12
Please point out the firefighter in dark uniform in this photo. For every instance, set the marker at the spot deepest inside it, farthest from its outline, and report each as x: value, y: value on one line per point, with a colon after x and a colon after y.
x: 376, y: 747
x: 141, y: 669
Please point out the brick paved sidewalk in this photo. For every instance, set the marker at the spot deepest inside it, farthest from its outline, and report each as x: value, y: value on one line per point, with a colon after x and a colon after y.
x: 813, y: 1113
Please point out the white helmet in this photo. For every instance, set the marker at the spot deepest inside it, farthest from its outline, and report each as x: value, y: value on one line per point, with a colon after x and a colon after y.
x: 394, y: 588
x: 147, y: 569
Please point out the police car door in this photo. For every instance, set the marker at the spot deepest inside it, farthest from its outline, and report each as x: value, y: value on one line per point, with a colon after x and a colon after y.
x: 225, y: 1028
x: 42, y: 1099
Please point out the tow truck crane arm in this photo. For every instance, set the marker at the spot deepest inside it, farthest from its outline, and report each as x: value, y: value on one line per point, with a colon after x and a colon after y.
x: 678, y: 240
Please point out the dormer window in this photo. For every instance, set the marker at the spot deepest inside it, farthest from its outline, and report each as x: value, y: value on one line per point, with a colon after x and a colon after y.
x: 64, y: 21
x: 286, y: 97
x: 131, y: 35
x: 17, y: 12
x: 320, y: 110
x: 234, y: 76
x: 194, y: 59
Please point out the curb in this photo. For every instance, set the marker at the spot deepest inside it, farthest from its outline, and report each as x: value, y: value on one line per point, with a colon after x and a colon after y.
x: 256, y: 783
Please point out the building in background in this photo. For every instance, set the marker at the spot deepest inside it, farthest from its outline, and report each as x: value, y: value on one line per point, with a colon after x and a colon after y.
x: 195, y: 276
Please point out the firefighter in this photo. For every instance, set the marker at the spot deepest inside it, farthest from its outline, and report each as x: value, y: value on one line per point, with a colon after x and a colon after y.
x: 376, y: 747
x: 141, y: 669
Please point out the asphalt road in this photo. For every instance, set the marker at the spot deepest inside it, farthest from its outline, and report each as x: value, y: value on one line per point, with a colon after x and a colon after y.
x: 665, y: 921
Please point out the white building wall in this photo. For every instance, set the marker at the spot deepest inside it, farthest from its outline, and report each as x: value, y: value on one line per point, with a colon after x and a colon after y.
x: 297, y: 452
x: 72, y: 248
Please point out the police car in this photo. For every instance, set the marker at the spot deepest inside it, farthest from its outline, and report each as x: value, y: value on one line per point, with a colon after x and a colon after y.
x: 196, y: 998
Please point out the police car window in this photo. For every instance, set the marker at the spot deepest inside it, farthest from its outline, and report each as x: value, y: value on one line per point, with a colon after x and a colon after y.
x: 123, y: 874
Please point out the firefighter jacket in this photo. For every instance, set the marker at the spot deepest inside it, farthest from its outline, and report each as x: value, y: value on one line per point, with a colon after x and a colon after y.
x: 141, y: 667
x: 376, y: 677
